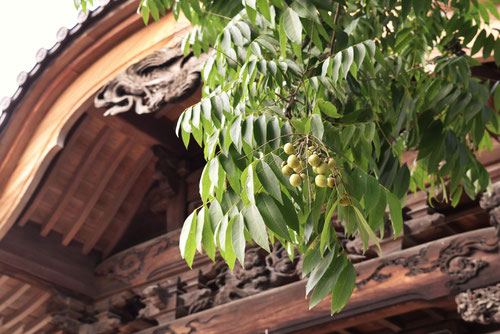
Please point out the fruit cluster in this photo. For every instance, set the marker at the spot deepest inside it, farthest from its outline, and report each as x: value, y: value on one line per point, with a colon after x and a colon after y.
x: 297, y: 168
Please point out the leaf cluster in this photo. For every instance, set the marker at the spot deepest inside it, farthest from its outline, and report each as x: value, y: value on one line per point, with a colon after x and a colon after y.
x: 360, y: 82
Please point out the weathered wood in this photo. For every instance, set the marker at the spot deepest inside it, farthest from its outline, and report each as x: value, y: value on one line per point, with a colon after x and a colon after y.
x: 44, y: 262
x: 61, y: 161
x: 27, y: 309
x: 13, y: 295
x: 37, y: 324
x: 145, y: 264
x: 417, y: 276
x: 83, y: 168
x: 111, y: 211
x: 96, y: 194
x: 124, y: 221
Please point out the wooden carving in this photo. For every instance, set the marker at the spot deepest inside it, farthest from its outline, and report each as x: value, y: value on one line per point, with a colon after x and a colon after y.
x: 491, y: 203
x: 219, y: 286
x: 480, y: 305
x: 455, y: 260
x: 127, y: 265
x: 164, y: 77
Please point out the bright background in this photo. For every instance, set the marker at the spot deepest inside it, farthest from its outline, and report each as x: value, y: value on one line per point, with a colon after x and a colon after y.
x: 25, y: 27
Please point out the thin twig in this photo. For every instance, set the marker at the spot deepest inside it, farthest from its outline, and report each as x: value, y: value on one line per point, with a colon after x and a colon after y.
x: 335, y: 21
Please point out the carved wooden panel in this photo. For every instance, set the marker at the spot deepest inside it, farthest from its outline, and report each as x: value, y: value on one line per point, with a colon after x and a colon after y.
x: 164, y: 77
x: 430, y: 271
x: 480, y: 305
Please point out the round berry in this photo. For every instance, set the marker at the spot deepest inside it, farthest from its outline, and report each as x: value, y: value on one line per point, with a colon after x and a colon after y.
x: 287, y: 170
x: 289, y: 149
x: 295, y: 180
x: 320, y: 181
x: 314, y: 160
x: 293, y: 161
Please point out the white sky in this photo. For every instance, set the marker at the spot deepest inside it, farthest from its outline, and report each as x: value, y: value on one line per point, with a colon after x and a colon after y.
x: 25, y: 27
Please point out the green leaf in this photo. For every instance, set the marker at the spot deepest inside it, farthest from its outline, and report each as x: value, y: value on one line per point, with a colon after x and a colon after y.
x: 238, y: 238
x: 365, y: 231
x: 199, y: 229
x: 343, y: 288
x: 327, y: 108
x: 229, y: 254
x: 292, y: 26
x: 282, y: 37
x: 263, y: 6
x: 272, y: 216
x: 372, y: 193
x: 145, y: 14
x: 235, y: 132
x: 187, y: 239
x: 207, y: 237
x: 256, y: 226
x: 269, y: 180
x: 312, y: 258
x: 396, y: 213
x: 317, y: 128
x: 260, y: 132
x: 327, y: 282
x: 347, y: 58
x: 319, y: 271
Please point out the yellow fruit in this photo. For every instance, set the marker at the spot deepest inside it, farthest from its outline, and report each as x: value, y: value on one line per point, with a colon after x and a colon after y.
x: 303, y: 176
x: 314, y: 160
x: 331, y: 163
x: 315, y: 170
x: 331, y: 182
x: 293, y: 161
x: 298, y: 169
x: 320, y: 181
x: 295, y: 180
x: 322, y: 169
x: 287, y: 170
x: 344, y: 200
x: 288, y: 148
x: 283, y: 164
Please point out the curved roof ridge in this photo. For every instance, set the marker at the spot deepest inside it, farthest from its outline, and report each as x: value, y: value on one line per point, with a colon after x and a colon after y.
x: 44, y: 56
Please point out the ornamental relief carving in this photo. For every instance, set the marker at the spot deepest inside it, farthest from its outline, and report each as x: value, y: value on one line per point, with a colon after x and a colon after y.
x: 455, y: 260
x: 127, y: 265
x: 480, y: 305
x: 491, y: 203
x: 219, y: 285
x: 164, y: 77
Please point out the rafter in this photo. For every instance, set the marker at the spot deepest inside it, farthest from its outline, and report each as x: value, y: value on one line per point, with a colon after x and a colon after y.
x: 135, y: 202
x: 96, y: 194
x: 111, y: 211
x: 82, y: 169
x: 30, y: 306
x: 12, y: 296
x: 37, y: 324
x: 61, y: 161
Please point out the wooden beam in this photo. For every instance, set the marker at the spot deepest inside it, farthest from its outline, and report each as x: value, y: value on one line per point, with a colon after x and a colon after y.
x: 397, y: 283
x: 29, y: 307
x: 18, y: 329
x: 37, y: 324
x: 3, y: 279
x: 135, y: 200
x: 13, y: 295
x: 96, y: 194
x: 86, y: 163
x: 390, y: 325
x: 43, y: 262
x: 61, y: 161
x: 111, y: 211
x: 146, y: 129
